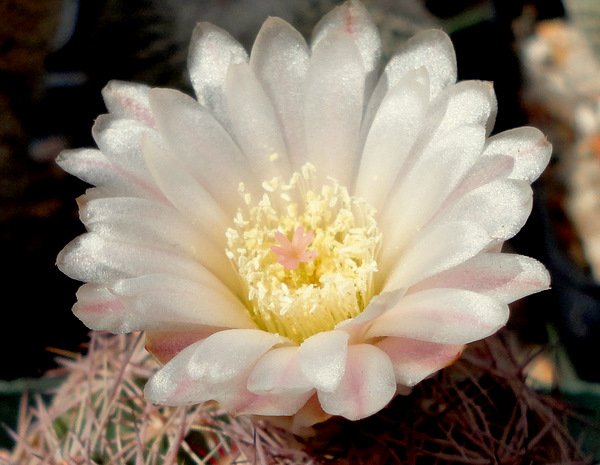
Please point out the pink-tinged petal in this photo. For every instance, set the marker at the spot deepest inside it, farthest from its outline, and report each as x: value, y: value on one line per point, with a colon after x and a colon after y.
x: 529, y: 148
x: 501, y: 207
x: 260, y: 139
x: 353, y: 18
x: 101, y: 310
x: 391, y: 136
x: 185, y: 193
x: 503, y: 276
x: 279, y: 60
x: 230, y: 354
x: 438, y: 248
x: 165, y: 302
x: 164, y: 345
x: 367, y: 386
x: 335, y: 86
x: 278, y: 373
x: 322, y: 359
x: 172, y: 385
x: 203, y: 146
x: 212, y: 51
x: 215, y: 368
x: 444, y: 316
x: 242, y: 401
x: 128, y: 100
x: 415, y: 360
x: 310, y: 414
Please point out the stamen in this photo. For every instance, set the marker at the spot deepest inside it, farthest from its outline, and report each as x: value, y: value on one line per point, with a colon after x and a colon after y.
x: 291, y: 254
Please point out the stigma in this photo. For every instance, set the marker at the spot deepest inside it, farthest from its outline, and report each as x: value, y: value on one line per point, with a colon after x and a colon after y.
x: 291, y: 254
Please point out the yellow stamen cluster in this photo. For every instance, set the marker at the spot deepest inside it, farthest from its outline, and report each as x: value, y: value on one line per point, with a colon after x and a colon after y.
x: 318, y: 294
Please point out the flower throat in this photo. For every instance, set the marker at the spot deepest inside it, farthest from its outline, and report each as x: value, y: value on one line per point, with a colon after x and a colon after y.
x: 305, y: 256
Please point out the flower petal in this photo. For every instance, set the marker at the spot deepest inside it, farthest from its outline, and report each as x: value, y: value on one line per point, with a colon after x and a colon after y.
x: 501, y: 207
x: 211, y: 368
x: 415, y: 360
x: 506, y: 277
x: 367, y: 386
x: 278, y: 373
x: 260, y: 139
x: 155, y: 225
x: 230, y: 354
x: 439, y: 248
x: 420, y: 193
x: 391, y: 137
x: 160, y: 301
x: 353, y: 18
x: 432, y: 49
x: 93, y: 167
x: 128, y: 100
x: 322, y: 359
x: 212, y: 51
x: 92, y: 258
x: 100, y: 310
x: 443, y: 316
x: 164, y: 345
x: 279, y: 60
x: 529, y: 148
x: 333, y: 106
x: 185, y: 193
x: 203, y: 146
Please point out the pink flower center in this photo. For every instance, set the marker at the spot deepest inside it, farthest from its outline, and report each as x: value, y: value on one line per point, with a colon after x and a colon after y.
x: 291, y: 254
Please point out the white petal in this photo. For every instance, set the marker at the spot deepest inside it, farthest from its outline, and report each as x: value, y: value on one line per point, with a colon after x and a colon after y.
x: 485, y: 170
x: 468, y: 102
x: 415, y: 360
x: 203, y: 146
x: 322, y: 358
x: 436, y: 172
x: 278, y: 372
x: 353, y: 18
x: 165, y: 302
x: 120, y: 140
x: 503, y: 276
x: 255, y: 125
x: 229, y: 354
x: 279, y: 60
x: 443, y: 316
x: 184, y: 192
x: 333, y: 106
x: 437, y: 249
x: 212, y: 51
x: 432, y: 49
x: 93, y: 167
x: 128, y: 100
x: 391, y: 137
x: 501, y: 207
x: 244, y: 402
x: 367, y: 386
x: 92, y: 258
x: 529, y: 148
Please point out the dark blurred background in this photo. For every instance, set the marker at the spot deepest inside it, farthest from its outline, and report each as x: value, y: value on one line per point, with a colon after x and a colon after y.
x: 55, y: 57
